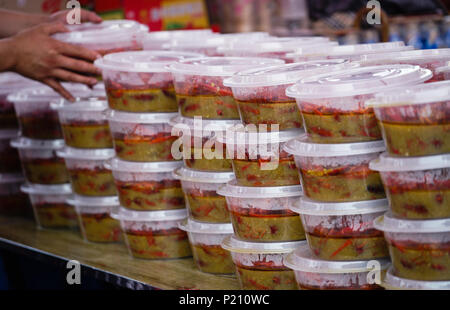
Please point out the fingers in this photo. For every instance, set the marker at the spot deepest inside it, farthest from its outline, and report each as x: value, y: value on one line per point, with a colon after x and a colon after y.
x: 52, y: 28
x: 88, y: 16
x: 58, y: 88
x: 77, y: 51
x: 77, y: 65
x: 69, y: 76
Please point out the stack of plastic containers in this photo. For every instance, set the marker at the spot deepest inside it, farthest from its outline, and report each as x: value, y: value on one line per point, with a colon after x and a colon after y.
x: 342, y: 196
x: 161, y: 40
x: 416, y: 175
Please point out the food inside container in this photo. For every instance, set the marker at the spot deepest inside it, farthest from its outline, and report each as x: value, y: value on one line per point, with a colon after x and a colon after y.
x: 260, y: 265
x: 262, y: 214
x: 317, y: 274
x: 392, y: 282
x: 343, y: 231
x: 205, y: 240
x: 334, y: 105
x: 154, y: 234
x: 13, y: 201
x: 142, y: 137
x: 200, y: 190
x: 415, y: 120
x: 9, y: 156
x: 337, y: 172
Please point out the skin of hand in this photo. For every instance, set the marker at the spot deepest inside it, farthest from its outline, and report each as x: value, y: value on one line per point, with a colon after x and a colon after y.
x: 85, y: 16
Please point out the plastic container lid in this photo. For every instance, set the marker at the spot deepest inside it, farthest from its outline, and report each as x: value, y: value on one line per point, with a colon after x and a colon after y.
x: 302, y: 146
x: 211, y: 41
x: 428, y: 54
x: 312, y: 207
x: 116, y: 164
x: 392, y: 282
x: 443, y: 69
x: 83, y: 201
x: 277, y: 44
x: 416, y: 94
x: 205, y: 228
x: 389, y: 223
x: 149, y: 216
x: 244, y: 135
x: 86, y: 154
x: 140, y: 118
x: 142, y: 61
x: 63, y: 189
x: 302, y: 259
x: 286, y: 73
x: 220, y: 66
x: 233, y: 244
x: 93, y: 104
x: 391, y: 163
x: 11, y: 178
x: 167, y: 35
x: 186, y: 174
x: 25, y: 143
x: 358, y: 81
x: 9, y: 133
x: 11, y: 82
x: 231, y: 189
x: 202, y: 124
x: 45, y: 93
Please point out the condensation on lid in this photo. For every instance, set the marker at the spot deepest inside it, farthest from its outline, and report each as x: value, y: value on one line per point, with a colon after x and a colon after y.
x: 389, y: 223
x: 84, y: 201
x: 140, y: 118
x: 205, y: 228
x: 116, y: 164
x: 390, y: 163
x: 25, y: 143
x: 84, y: 105
x: 248, y: 135
x: 45, y: 93
x: 11, y: 178
x: 233, y: 244
x: 186, y: 174
x: 391, y: 281
x: 86, y: 154
x: 428, y: 54
x: 198, y: 124
x: 311, y: 207
x: 38, y: 189
x: 231, y: 189
x: 149, y: 216
x: 9, y: 133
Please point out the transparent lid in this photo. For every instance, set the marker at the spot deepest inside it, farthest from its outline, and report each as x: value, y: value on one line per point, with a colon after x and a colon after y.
x: 391, y: 281
x: 248, y: 135
x: 167, y: 35
x: 140, y: 118
x: 390, y: 163
x: 211, y: 41
x: 231, y: 189
x: 358, y: 81
x: 84, y: 201
x: 233, y: 244
x: 93, y: 104
x: 63, y: 189
x: 45, y: 93
x: 9, y: 133
x: 143, y: 61
x: 149, y: 216
x: 444, y: 69
x: 220, y: 66
x: 11, y: 178
x: 389, y: 223
x: 414, y: 55
x: 312, y: 207
x: 302, y: 259
x: 25, y: 143
x: 87, y: 154
x: 205, y: 228
x: 278, y: 44
x: 116, y: 164
x: 200, y: 124
x: 186, y: 174
x: 415, y: 94
x: 11, y: 82
x: 302, y: 146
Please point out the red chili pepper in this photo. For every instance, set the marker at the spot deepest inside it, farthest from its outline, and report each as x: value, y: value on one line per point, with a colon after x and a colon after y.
x: 320, y: 131
x: 343, y: 246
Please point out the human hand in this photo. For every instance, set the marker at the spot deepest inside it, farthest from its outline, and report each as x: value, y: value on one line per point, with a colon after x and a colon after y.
x: 85, y: 16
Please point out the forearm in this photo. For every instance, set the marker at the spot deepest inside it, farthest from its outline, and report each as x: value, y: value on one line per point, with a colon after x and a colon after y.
x: 7, y: 55
x: 12, y: 22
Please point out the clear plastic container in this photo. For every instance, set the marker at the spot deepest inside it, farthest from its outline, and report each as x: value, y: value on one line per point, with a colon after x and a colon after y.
x: 139, y: 81
x: 199, y: 85
x: 417, y: 187
x: 50, y: 206
x: 13, y: 201
x: 84, y: 124
x: 258, y: 157
x: 260, y: 265
x: 316, y: 274
x: 154, y: 234
x: 334, y: 105
x: 415, y: 120
x: 41, y: 164
x: 159, y: 40
x: 205, y: 240
x: 391, y: 282
x: 260, y: 93
x: 262, y: 214
x: 200, y: 190
x: 95, y: 221
x: 9, y: 156
x: 147, y: 186
x: 443, y: 73
x: 343, y: 231
x: 337, y: 172
x: 142, y: 137
x: 419, y: 249
x: 87, y: 173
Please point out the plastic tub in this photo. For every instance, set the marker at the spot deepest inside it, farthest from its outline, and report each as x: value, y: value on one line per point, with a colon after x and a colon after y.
x: 95, y: 221
x: 337, y: 172
x: 391, y: 282
x: 142, y: 137
x: 9, y: 156
x: 333, y: 105
x: 419, y: 249
x: 205, y: 240
x: 154, y: 234
x: 260, y: 93
x: 262, y: 214
x: 13, y: 201
x: 199, y: 85
x: 316, y: 274
x: 147, y: 186
x: 415, y: 119
x: 41, y: 164
x: 343, y: 231
x: 87, y: 173
x: 139, y: 81
x: 258, y: 157
x: 50, y: 206
x: 202, y: 200
x: 260, y: 265
x: 417, y: 187
x: 84, y: 124
x: 159, y: 40
x: 443, y: 73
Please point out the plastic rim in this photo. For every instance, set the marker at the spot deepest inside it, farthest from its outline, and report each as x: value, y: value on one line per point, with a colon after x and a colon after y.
x: 205, y: 228
x: 206, y: 125
x: 64, y: 189
x: 429, y: 54
x: 11, y: 178
x: 11, y: 82
x: 25, y: 143
x: 116, y: 164
x: 167, y: 35
x: 389, y: 223
x: 391, y: 163
x: 180, y: 43
x: 358, y: 81
x: 185, y: 174
x: 149, y: 216
x: 46, y: 94
x: 277, y: 44
x: 93, y: 104
x: 302, y: 146
x: 303, y: 260
x: 232, y: 190
x: 443, y: 69
x: 220, y: 66
x: 392, y: 282
x: 240, y: 135
x: 139, y: 118
x: 312, y: 207
x: 86, y: 154
x: 83, y: 201
x: 233, y: 244
x: 9, y: 134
